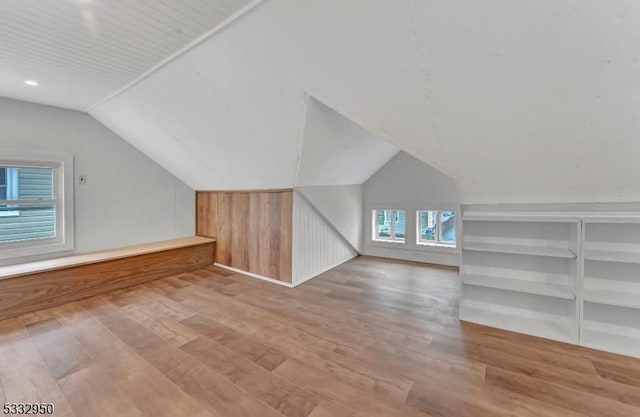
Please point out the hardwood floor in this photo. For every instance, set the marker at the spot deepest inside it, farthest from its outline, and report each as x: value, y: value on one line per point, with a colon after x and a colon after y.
x: 370, y: 338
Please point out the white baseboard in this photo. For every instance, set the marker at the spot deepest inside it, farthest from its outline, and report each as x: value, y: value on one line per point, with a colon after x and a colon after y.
x: 252, y: 275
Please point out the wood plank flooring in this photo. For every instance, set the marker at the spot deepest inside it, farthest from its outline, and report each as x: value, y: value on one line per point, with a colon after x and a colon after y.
x: 370, y: 338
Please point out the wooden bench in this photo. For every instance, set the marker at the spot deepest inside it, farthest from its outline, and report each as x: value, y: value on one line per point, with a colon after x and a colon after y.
x: 37, y: 285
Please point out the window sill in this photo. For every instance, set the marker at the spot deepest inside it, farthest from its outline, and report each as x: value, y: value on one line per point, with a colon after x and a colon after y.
x: 402, y: 242
x: 33, y: 248
x: 436, y: 245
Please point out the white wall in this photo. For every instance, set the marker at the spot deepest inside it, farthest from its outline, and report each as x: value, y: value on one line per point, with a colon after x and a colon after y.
x: 342, y: 208
x: 337, y: 151
x: 317, y: 246
x: 128, y: 198
x: 406, y: 183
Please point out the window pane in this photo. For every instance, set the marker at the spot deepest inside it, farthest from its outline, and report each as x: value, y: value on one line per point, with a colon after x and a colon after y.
x: 384, y: 224
x: 428, y: 226
x: 25, y: 183
x: 3, y: 184
x: 400, y: 224
x: 25, y: 222
x: 448, y: 222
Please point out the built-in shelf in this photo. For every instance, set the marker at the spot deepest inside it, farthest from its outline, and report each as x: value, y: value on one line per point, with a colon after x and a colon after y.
x: 548, y: 330
x: 533, y: 293
x: 613, y: 298
x: 518, y: 285
x: 553, y: 216
x: 612, y: 256
x: 519, y: 249
x: 595, y: 252
x: 547, y: 217
x: 623, y: 345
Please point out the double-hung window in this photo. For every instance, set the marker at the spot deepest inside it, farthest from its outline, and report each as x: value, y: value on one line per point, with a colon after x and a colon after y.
x: 36, y: 203
x: 388, y: 225
x: 436, y: 227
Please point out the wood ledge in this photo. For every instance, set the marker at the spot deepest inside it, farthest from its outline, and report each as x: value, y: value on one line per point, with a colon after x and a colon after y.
x: 18, y: 270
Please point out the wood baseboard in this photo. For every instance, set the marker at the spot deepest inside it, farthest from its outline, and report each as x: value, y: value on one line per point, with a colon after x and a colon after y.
x: 40, y: 290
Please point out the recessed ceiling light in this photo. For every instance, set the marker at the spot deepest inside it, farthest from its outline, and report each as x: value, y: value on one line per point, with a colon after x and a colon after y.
x: 32, y: 83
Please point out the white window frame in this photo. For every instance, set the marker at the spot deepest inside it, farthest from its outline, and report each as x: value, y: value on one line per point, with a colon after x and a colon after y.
x: 62, y: 200
x: 392, y: 228
x: 438, y: 242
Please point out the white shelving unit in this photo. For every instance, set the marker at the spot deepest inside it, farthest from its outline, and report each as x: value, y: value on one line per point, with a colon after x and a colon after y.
x: 567, y: 276
x: 520, y: 273
x: 524, y: 286
x: 612, y: 256
x: 520, y: 249
x: 611, y: 284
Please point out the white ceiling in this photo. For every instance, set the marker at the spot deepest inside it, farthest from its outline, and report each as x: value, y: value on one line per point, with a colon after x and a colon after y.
x: 336, y: 151
x: 518, y: 101
x: 81, y: 51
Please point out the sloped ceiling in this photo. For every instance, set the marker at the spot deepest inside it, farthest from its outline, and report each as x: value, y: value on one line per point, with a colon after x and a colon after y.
x: 81, y: 51
x: 528, y: 101
x: 336, y: 151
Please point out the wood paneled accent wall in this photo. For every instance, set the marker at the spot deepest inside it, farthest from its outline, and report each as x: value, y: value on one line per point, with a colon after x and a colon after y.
x: 253, y: 229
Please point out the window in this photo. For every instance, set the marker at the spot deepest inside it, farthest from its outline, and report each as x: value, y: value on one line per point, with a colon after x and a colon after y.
x: 3, y: 184
x: 436, y: 227
x: 388, y: 225
x: 34, y: 218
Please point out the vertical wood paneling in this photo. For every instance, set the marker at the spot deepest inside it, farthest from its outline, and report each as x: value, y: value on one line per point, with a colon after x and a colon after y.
x: 286, y: 237
x: 253, y: 229
x: 240, y: 228
x: 317, y: 247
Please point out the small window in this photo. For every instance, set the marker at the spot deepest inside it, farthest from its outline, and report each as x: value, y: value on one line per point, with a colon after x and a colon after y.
x: 436, y: 227
x: 27, y: 204
x: 389, y: 225
x: 3, y: 183
x: 34, y: 216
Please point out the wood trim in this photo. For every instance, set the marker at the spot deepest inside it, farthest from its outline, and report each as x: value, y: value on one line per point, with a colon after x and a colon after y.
x: 13, y: 271
x: 253, y: 230
x: 273, y: 190
x: 47, y: 288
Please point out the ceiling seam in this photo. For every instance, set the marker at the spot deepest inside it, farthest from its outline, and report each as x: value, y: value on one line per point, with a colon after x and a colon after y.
x: 235, y: 17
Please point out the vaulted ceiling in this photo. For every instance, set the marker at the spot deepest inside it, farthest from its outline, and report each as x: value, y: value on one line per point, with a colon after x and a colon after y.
x: 518, y: 101
x: 336, y: 151
x: 81, y: 51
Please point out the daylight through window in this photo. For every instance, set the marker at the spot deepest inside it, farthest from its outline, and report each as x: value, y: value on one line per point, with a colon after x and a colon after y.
x: 389, y: 225
x: 436, y: 227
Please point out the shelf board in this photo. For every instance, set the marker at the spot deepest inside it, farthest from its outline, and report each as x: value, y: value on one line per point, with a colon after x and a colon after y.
x: 553, y: 216
x: 612, y: 256
x: 622, y: 345
x: 528, y: 287
x: 519, y: 249
x: 547, y: 330
x: 613, y: 298
x: 549, y: 217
